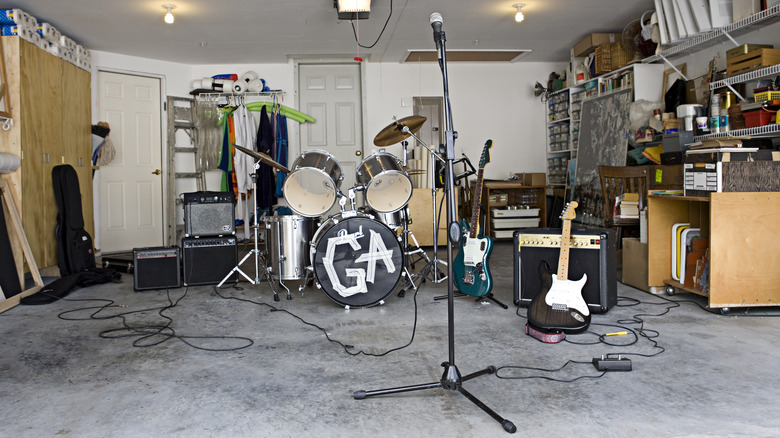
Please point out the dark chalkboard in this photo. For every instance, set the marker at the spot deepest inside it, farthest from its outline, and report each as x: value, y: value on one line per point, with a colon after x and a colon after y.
x: 603, y: 127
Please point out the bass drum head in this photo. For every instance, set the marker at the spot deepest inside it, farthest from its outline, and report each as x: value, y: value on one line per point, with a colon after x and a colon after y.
x: 357, y: 261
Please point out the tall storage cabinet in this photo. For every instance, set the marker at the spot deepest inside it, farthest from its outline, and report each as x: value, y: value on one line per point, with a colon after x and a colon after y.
x: 50, y: 102
x: 564, y: 109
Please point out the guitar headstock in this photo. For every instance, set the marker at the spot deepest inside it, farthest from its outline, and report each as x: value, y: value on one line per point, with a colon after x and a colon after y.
x: 568, y: 211
x: 485, y: 158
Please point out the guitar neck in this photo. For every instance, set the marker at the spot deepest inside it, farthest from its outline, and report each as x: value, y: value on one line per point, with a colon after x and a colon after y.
x: 563, y: 260
x: 475, y: 206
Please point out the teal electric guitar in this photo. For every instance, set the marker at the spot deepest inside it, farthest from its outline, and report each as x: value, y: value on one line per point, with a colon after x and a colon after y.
x: 470, y: 267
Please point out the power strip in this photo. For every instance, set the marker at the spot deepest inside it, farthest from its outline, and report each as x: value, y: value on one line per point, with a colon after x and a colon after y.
x: 612, y: 364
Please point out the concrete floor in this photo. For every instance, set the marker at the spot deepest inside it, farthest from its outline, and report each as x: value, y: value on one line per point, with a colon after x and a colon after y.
x: 717, y: 375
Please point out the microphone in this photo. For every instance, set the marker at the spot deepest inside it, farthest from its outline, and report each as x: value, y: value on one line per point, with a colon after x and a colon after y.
x: 436, y: 24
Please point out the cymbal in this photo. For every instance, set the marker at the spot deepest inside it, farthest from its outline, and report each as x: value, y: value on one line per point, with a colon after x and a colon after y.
x: 264, y: 158
x: 393, y: 133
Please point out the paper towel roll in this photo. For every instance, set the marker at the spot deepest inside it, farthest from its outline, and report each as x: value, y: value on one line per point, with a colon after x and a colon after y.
x: 255, y: 85
x: 227, y: 85
x: 239, y: 87
x: 248, y: 76
x: 49, y: 32
x: 9, y: 162
x: 14, y: 16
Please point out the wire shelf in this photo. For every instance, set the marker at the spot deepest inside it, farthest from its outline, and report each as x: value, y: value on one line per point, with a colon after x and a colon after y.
x: 760, y: 131
x: 714, y: 36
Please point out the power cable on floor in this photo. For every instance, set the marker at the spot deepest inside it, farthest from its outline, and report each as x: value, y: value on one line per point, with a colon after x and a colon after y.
x: 148, y: 335
x: 347, y: 348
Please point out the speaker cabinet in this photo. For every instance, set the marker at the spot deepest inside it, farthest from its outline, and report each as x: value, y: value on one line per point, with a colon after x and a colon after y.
x: 209, y: 214
x: 156, y: 268
x: 208, y: 260
x: 592, y: 252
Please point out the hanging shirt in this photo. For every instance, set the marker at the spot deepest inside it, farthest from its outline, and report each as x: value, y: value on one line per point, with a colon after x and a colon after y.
x: 244, y: 164
x: 265, y: 178
x: 281, y: 151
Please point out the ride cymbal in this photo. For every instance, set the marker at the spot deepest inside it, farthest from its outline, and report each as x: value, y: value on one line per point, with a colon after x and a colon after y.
x: 394, y: 132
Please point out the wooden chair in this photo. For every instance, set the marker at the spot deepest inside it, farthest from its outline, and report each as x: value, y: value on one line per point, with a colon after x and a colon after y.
x: 616, y: 180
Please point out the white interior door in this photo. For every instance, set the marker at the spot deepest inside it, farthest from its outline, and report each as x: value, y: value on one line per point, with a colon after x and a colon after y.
x: 131, y: 213
x: 332, y: 95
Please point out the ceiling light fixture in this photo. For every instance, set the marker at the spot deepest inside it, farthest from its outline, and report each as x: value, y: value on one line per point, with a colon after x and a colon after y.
x: 519, y: 15
x: 353, y: 9
x: 169, y: 14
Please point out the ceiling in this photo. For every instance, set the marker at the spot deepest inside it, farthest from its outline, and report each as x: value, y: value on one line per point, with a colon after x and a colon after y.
x: 272, y: 31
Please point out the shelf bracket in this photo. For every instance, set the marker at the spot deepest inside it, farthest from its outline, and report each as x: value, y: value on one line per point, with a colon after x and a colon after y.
x: 730, y: 38
x: 685, y: 78
x: 742, y: 99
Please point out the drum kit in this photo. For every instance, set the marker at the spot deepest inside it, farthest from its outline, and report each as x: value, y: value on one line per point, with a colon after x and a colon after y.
x: 357, y: 256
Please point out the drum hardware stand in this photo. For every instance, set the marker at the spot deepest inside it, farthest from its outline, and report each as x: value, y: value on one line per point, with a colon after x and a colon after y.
x: 432, y: 264
x: 254, y: 251
x: 451, y: 379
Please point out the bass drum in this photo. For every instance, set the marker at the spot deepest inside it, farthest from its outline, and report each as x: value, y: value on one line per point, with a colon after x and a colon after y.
x: 288, y: 241
x: 312, y: 185
x: 357, y: 261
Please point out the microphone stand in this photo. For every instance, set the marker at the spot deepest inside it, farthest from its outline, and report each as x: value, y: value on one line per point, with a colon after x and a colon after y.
x: 451, y: 379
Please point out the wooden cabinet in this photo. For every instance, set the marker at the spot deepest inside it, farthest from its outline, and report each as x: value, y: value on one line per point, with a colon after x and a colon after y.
x: 517, y: 194
x: 421, y: 212
x: 51, y: 106
x: 744, y: 267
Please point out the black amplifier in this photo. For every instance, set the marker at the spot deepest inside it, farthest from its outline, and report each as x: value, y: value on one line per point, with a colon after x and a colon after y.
x: 208, y: 260
x: 592, y: 252
x: 209, y: 214
x: 156, y: 268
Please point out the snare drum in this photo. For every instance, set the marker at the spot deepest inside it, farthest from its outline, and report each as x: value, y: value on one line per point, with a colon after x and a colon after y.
x: 396, y: 219
x: 387, y: 186
x: 357, y: 261
x: 312, y: 185
x: 288, y: 244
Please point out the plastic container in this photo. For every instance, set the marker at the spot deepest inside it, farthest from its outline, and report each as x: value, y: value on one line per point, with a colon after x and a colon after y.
x: 756, y: 118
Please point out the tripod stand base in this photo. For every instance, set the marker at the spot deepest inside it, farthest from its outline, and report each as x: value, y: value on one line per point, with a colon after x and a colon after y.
x: 451, y: 380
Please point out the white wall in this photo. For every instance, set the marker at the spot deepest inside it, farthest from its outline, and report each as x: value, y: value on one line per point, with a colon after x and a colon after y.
x: 489, y: 101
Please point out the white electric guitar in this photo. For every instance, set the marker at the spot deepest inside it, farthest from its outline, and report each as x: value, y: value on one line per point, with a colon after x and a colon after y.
x: 559, y: 305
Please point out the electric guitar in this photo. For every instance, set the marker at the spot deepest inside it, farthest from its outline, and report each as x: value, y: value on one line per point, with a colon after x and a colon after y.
x: 470, y: 267
x: 559, y: 305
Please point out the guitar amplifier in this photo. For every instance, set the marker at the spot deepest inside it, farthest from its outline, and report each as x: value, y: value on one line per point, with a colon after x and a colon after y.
x: 156, y: 268
x: 208, y: 260
x: 592, y: 252
x: 208, y: 214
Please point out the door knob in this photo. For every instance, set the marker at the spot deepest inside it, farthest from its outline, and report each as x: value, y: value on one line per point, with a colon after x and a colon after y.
x: 358, y: 153
x: 156, y: 172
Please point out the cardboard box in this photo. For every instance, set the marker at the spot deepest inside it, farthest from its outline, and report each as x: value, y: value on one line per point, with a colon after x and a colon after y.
x: 635, y: 263
x: 588, y: 44
x: 531, y: 179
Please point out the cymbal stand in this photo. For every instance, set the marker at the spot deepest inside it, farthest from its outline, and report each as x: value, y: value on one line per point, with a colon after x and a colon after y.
x: 432, y: 267
x: 255, y: 251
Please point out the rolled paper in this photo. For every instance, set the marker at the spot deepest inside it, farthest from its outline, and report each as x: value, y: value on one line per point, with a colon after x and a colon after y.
x: 9, y: 162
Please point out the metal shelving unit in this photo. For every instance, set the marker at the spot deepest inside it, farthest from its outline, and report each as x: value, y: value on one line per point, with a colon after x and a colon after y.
x: 716, y: 36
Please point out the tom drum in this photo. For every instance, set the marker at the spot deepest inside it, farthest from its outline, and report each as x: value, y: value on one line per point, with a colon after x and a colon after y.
x: 387, y: 186
x: 288, y: 239
x: 312, y: 185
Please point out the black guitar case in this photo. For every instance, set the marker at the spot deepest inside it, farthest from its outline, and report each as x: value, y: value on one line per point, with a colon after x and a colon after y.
x: 74, y: 244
